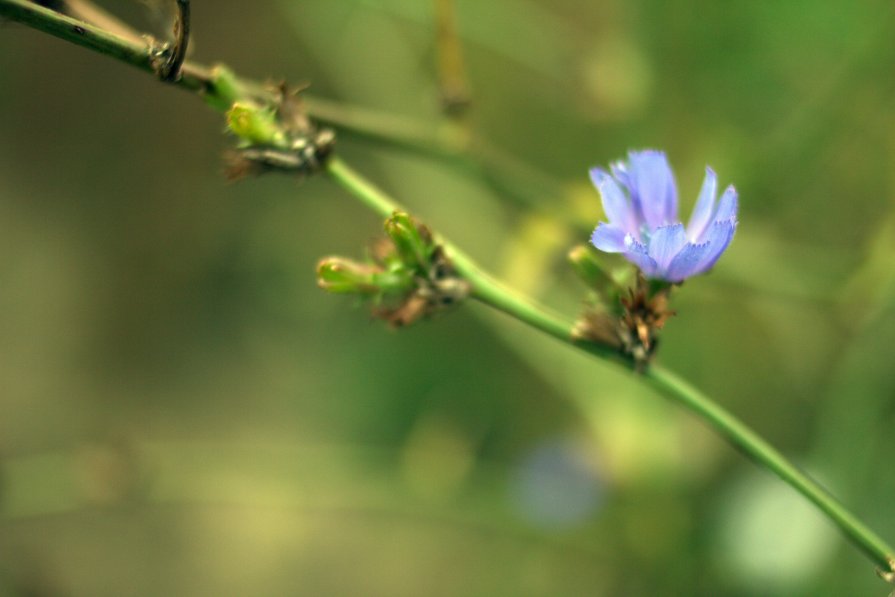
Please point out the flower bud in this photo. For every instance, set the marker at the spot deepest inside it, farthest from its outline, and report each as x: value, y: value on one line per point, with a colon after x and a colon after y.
x: 255, y: 125
x: 344, y: 276
x: 408, y: 276
x: 413, y: 242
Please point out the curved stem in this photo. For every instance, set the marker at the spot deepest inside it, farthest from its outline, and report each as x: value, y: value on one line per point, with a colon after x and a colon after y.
x: 450, y: 142
x: 193, y: 77
x: 759, y: 450
x: 488, y: 290
x: 494, y: 294
x: 484, y: 287
x: 85, y: 10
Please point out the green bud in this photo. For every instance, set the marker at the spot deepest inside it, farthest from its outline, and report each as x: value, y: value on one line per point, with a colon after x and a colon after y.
x: 344, y: 276
x: 395, y: 279
x: 413, y: 241
x: 224, y: 90
x: 255, y: 125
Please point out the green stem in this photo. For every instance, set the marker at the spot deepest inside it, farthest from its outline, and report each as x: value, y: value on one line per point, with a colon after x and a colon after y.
x: 193, y: 77
x: 362, y: 188
x: 450, y: 142
x: 485, y: 288
x: 491, y: 292
x: 755, y: 447
x: 455, y: 145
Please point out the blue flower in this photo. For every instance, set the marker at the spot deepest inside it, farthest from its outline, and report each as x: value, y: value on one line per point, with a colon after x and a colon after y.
x: 640, y: 202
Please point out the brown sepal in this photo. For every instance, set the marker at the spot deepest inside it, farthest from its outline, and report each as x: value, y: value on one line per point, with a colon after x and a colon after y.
x: 636, y: 332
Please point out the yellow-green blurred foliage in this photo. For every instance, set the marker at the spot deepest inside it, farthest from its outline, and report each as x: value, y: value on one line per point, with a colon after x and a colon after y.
x: 183, y: 412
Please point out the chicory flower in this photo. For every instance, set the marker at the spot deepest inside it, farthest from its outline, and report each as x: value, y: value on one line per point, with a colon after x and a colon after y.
x: 640, y: 202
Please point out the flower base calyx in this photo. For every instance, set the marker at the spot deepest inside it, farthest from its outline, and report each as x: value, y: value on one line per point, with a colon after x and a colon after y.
x: 628, y: 319
x: 276, y: 138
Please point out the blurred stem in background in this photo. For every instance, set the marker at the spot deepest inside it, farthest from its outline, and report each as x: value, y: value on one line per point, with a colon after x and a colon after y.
x: 452, y: 141
x: 484, y: 288
x: 452, y: 79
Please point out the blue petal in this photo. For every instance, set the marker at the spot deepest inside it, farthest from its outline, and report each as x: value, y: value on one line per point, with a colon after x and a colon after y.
x: 653, y: 189
x: 620, y: 172
x: 616, y: 206
x: 705, y: 204
x: 686, y: 261
x: 609, y: 238
x: 718, y: 238
x: 638, y: 256
x: 665, y: 243
x: 727, y: 205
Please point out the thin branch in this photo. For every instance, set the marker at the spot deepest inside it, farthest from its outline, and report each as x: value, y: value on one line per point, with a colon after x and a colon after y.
x: 484, y: 288
x: 453, y: 143
x: 193, y: 77
x: 492, y: 293
x: 452, y: 80
x: 88, y: 12
x: 759, y: 450
x: 506, y: 175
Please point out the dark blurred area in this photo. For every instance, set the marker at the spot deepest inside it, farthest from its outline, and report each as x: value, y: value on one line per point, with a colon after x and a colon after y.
x: 183, y: 411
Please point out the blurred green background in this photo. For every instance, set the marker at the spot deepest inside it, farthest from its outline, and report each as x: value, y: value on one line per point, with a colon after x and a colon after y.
x: 183, y: 412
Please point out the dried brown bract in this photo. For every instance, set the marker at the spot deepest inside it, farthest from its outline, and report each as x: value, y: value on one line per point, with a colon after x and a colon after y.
x: 306, y: 156
x: 635, y: 333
